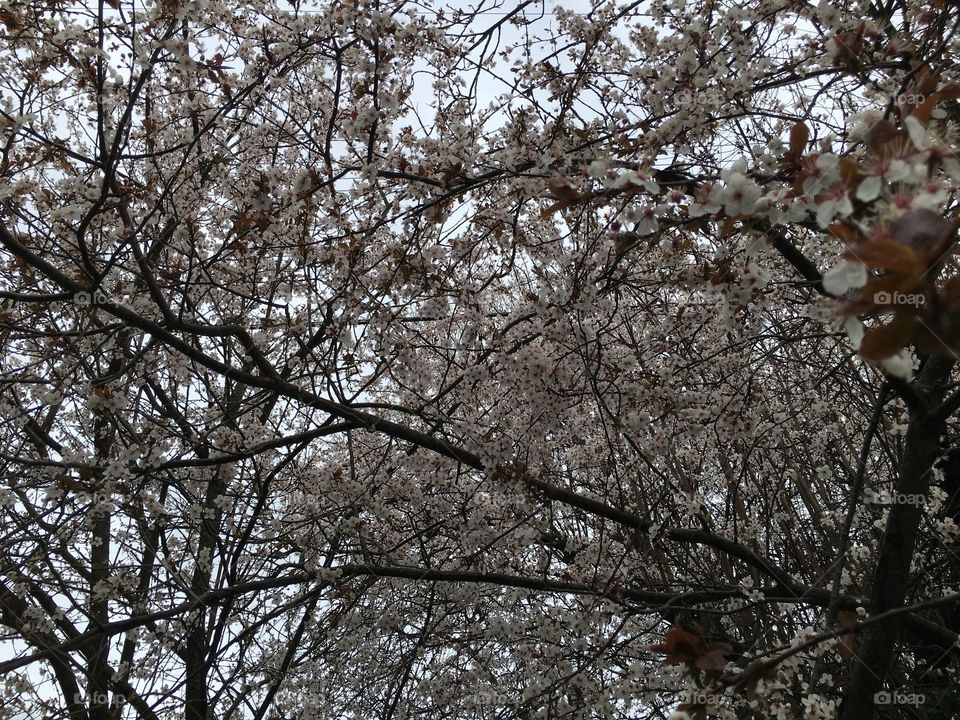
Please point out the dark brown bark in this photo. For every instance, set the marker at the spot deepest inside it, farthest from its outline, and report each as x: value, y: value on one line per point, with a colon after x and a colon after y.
x: 876, y: 647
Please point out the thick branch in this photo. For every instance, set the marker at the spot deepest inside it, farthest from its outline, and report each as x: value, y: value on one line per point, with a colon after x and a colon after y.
x: 876, y: 647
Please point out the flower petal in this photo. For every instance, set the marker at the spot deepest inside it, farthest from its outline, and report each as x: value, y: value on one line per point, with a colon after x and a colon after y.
x: 845, y: 276
x: 917, y: 131
x: 870, y: 188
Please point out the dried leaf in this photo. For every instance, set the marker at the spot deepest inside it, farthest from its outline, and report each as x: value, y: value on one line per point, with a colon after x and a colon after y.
x: 686, y: 648
x: 922, y: 111
x: 849, y: 46
x: 885, y: 341
x: 551, y: 209
x: 729, y: 227
x: 722, y: 273
x: 563, y: 188
x: 714, y: 658
x: 948, y: 92
x: 880, y: 135
x: 872, y: 297
x: 926, y: 80
x: 884, y: 253
x: 799, y: 136
x: 849, y: 171
x: 926, y: 231
x: 849, y: 234
x: 10, y: 19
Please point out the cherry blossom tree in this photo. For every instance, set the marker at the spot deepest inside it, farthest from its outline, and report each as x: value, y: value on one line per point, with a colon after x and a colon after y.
x: 392, y: 359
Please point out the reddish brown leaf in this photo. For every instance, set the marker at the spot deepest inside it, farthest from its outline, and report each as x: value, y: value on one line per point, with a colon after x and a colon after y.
x: 926, y: 80
x: 949, y: 92
x: 849, y: 46
x: 680, y: 646
x: 884, y: 253
x: 847, y: 233
x: 10, y: 19
x: 721, y: 273
x: 799, y: 136
x: 849, y: 171
x: 885, y: 341
x: 551, y: 209
x: 714, y: 657
x: 922, y: 111
x: 878, y: 293
x: 889, y: 283
x: 880, y: 135
x: 686, y: 648
x: 563, y: 188
x: 925, y: 231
